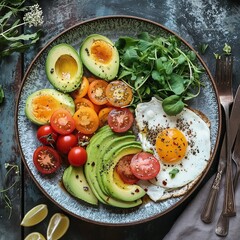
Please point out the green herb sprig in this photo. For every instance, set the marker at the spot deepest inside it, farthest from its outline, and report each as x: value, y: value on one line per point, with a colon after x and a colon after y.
x: 11, y: 40
x: 13, y: 173
x: 158, y: 66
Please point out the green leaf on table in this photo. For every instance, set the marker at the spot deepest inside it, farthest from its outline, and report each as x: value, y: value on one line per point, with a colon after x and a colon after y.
x: 1, y: 94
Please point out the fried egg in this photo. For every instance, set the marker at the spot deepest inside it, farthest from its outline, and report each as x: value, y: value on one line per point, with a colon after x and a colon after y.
x: 181, y: 143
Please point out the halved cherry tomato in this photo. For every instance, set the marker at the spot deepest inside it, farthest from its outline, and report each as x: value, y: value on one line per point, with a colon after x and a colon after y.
x: 83, y: 139
x: 62, y: 122
x: 82, y: 90
x: 46, y: 135
x: 103, y: 115
x: 86, y: 120
x: 79, y: 102
x: 77, y: 156
x: 124, y: 171
x: 120, y: 120
x: 144, y: 166
x: 97, y: 92
x: 46, y: 159
x: 119, y: 94
x: 66, y: 142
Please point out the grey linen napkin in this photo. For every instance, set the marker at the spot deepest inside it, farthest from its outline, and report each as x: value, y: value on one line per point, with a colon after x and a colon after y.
x: 190, y: 226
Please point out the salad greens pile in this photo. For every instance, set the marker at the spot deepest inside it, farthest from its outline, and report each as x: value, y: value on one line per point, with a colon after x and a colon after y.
x: 160, y: 67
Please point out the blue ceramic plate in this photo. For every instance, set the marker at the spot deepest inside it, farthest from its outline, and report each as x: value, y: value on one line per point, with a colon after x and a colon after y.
x: 35, y: 79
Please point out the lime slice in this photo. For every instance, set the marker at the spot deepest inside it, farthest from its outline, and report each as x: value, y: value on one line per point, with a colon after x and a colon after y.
x: 57, y: 227
x: 35, y: 215
x: 35, y: 236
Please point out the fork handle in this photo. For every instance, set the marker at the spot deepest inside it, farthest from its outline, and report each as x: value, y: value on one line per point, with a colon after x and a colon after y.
x: 210, y: 204
x: 229, y: 203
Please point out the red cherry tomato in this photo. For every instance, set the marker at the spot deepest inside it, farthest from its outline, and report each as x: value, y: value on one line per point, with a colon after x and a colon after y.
x: 124, y: 171
x: 66, y: 142
x: 62, y: 122
x: 120, y: 120
x: 46, y: 159
x: 77, y: 156
x: 83, y: 139
x: 46, y: 135
x: 144, y: 166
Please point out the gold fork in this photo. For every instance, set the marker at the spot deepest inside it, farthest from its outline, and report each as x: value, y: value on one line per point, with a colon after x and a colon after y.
x: 224, y: 85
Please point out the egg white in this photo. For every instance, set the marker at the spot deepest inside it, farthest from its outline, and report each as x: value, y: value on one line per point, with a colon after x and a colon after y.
x: 151, y: 119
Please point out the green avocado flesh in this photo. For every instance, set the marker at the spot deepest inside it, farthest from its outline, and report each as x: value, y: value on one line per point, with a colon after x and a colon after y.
x: 100, y: 165
x: 76, y: 184
x: 100, y: 56
x: 64, y: 68
x: 41, y: 104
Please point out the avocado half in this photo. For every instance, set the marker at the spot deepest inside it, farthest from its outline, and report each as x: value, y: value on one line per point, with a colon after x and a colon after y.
x: 64, y: 68
x: 100, y: 56
x: 41, y: 104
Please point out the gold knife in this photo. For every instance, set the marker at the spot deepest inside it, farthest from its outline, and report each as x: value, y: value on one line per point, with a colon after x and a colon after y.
x: 210, y: 204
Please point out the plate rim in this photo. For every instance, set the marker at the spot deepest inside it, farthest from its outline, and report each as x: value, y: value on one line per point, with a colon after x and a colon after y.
x: 186, y: 196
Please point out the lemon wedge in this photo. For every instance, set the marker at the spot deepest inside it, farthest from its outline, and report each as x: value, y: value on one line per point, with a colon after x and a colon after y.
x: 57, y: 227
x: 35, y: 236
x: 35, y: 215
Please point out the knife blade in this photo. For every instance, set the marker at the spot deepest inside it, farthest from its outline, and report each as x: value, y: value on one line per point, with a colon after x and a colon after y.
x: 210, y: 204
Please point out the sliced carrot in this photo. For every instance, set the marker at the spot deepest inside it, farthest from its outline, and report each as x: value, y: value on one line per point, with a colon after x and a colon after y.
x: 86, y: 120
x: 82, y: 90
x: 97, y: 92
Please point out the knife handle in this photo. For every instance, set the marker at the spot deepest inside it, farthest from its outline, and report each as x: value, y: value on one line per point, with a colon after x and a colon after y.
x: 210, y: 204
x: 229, y: 209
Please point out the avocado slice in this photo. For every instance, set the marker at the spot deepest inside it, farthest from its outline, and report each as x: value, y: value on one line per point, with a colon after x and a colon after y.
x: 100, y: 56
x: 101, y: 165
x: 103, y: 136
x: 41, y: 104
x: 76, y: 184
x: 124, y: 192
x: 64, y: 68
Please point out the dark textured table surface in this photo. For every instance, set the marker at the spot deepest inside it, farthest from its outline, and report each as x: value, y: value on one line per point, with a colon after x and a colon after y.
x: 211, y: 22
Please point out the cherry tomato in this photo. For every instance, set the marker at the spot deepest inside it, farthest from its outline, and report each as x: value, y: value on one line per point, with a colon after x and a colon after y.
x: 66, y: 142
x: 124, y: 171
x: 83, y: 139
x: 46, y: 135
x: 120, y: 120
x: 62, y: 122
x: 97, y: 92
x: 79, y: 102
x: 144, y: 166
x: 86, y: 120
x: 82, y: 90
x: 46, y: 159
x: 103, y: 115
x: 77, y: 156
x: 119, y: 94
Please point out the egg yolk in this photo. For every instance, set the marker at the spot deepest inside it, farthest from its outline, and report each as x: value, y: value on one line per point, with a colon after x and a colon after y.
x: 171, y: 145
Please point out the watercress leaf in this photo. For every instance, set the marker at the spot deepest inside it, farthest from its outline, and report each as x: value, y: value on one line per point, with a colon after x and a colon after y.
x: 173, y: 105
x: 144, y: 36
x: 125, y: 42
x: 181, y: 59
x: 176, y: 83
x: 192, y: 55
x: 168, y: 67
x: 143, y: 45
x: 156, y: 75
x: 130, y: 56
